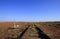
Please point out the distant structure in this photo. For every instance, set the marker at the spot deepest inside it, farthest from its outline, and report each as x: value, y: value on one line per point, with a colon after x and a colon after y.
x: 15, y: 25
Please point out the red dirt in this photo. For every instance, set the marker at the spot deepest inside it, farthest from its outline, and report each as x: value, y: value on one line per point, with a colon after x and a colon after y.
x: 51, y: 29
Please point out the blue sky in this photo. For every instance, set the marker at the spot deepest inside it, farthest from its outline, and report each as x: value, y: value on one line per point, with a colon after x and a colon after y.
x: 30, y: 10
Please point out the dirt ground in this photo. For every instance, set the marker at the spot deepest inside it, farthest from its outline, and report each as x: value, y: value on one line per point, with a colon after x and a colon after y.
x: 30, y: 30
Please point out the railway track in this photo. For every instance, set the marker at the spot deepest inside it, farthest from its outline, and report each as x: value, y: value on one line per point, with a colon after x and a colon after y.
x: 32, y: 32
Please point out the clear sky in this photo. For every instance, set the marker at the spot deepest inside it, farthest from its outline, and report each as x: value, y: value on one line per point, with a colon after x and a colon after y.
x: 30, y: 10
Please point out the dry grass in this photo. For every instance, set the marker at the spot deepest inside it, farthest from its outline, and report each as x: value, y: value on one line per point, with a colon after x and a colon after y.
x: 52, y: 29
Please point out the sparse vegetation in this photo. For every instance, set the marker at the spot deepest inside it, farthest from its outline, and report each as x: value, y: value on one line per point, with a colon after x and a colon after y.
x: 52, y: 29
